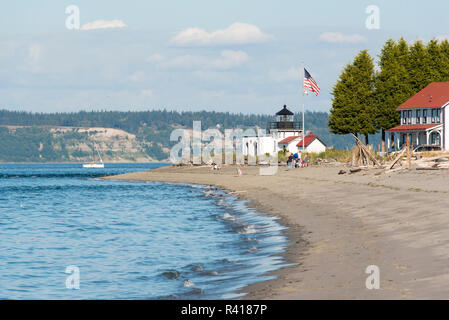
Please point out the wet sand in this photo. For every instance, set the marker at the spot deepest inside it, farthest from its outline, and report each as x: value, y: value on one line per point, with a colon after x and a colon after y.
x: 340, y: 224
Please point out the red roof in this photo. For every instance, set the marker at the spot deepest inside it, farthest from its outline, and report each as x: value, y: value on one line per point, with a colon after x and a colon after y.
x: 435, y: 95
x: 308, y: 140
x: 288, y: 139
x: 414, y: 127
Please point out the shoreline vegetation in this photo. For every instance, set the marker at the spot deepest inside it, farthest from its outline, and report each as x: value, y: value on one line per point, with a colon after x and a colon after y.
x: 341, y: 224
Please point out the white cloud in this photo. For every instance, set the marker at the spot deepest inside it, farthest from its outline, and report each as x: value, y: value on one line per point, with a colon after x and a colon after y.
x: 34, y: 52
x: 147, y: 93
x: 102, y: 24
x: 33, y: 59
x: 184, y: 62
x: 228, y: 59
x: 337, y: 37
x: 292, y: 74
x: 442, y: 37
x: 237, y: 33
x: 155, y: 58
x: 138, y: 76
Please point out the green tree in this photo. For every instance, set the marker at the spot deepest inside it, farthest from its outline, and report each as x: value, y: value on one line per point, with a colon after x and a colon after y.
x: 433, y: 61
x: 392, y: 85
x: 352, y: 101
x: 444, y: 61
x: 418, y: 69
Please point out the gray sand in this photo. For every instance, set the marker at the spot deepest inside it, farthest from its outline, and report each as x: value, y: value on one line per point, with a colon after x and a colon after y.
x: 340, y: 224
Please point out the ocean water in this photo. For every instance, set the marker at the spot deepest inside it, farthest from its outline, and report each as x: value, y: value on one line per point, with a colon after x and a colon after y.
x: 128, y: 240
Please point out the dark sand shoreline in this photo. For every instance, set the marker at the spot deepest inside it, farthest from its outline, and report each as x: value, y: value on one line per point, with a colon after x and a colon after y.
x: 339, y: 225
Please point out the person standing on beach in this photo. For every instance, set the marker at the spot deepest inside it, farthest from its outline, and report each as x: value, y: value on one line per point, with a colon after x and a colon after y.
x: 239, y: 170
x: 289, y: 161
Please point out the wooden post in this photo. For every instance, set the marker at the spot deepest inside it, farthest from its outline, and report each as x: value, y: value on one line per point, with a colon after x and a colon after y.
x: 354, y: 156
x: 408, y: 152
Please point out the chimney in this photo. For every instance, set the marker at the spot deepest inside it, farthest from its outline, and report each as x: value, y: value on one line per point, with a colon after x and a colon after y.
x: 311, y: 133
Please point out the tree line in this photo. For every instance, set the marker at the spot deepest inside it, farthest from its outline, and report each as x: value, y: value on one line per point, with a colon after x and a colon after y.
x: 150, y: 127
x: 365, y: 98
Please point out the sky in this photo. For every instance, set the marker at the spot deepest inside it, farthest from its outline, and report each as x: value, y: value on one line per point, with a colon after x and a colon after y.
x: 237, y: 56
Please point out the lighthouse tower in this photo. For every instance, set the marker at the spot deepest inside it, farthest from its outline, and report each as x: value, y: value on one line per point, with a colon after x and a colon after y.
x: 285, y: 125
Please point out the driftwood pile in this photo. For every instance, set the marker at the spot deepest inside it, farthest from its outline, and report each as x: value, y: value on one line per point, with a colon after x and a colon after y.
x: 362, y: 156
x: 363, y: 159
x: 435, y: 163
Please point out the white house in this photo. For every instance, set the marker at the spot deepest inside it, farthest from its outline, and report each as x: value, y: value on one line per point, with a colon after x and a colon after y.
x: 284, y: 132
x: 312, y: 144
x: 289, y: 144
x: 424, y: 118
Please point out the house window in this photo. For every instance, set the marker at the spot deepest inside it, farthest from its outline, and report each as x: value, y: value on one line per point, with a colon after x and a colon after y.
x: 424, y: 116
x: 404, y: 117
x: 409, y: 119
x: 438, y: 115
x: 418, y: 116
x: 433, y: 115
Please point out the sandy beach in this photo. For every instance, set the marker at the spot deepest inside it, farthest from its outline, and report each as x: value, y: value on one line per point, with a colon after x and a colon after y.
x: 340, y: 224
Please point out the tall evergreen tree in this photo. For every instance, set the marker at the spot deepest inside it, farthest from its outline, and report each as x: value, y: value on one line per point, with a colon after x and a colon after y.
x: 444, y: 61
x: 418, y: 68
x: 392, y: 85
x: 433, y: 61
x: 353, y: 98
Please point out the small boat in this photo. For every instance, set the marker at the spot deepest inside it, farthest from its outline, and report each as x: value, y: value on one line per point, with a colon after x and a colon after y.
x: 95, y: 165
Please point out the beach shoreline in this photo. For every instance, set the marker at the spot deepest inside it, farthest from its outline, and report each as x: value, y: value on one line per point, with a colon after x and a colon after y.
x: 338, y: 225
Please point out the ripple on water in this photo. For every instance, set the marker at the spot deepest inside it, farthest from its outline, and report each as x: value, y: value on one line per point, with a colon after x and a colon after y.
x: 182, y: 241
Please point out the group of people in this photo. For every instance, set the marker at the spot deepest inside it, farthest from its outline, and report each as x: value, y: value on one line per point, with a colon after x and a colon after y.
x: 294, y: 160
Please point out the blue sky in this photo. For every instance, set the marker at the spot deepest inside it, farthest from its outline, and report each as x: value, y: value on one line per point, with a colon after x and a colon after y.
x: 238, y: 56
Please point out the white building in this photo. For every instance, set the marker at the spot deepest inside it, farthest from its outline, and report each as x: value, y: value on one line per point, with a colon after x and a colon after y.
x: 312, y: 144
x: 424, y: 118
x: 284, y: 132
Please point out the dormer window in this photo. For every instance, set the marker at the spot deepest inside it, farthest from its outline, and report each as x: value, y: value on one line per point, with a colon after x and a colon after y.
x: 424, y: 116
x: 404, y: 117
x: 438, y: 115
x: 418, y: 116
x: 409, y: 118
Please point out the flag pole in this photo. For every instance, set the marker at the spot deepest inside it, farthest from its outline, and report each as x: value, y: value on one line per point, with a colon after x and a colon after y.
x: 303, y: 128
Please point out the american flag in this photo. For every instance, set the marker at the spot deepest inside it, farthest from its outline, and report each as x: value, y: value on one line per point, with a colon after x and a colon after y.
x: 309, y: 83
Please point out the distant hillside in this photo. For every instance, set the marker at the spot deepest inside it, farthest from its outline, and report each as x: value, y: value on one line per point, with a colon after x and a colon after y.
x: 122, y: 136
x: 70, y: 144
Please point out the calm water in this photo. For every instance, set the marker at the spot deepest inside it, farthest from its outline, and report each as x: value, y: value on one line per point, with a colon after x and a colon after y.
x: 130, y: 240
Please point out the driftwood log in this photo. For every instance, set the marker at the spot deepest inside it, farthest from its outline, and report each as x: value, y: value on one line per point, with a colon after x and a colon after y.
x: 399, y: 156
x: 362, y: 155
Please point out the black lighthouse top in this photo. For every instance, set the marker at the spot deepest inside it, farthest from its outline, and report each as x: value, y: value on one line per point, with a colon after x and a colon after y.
x: 284, y: 112
x: 284, y: 122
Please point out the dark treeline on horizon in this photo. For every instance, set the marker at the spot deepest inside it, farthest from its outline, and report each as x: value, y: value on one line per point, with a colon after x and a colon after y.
x: 156, y: 125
